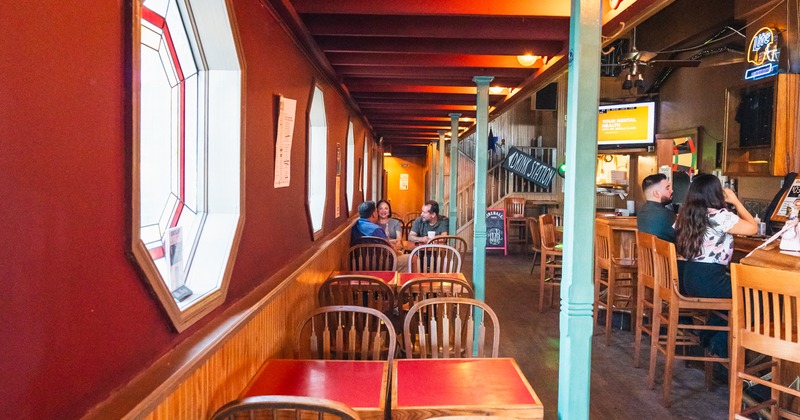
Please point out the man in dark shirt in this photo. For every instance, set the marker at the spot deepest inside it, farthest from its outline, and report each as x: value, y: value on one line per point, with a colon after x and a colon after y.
x: 365, y: 225
x: 429, y: 220
x: 654, y: 217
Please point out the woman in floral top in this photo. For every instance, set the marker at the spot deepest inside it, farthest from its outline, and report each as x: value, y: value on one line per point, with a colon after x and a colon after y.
x: 704, y: 231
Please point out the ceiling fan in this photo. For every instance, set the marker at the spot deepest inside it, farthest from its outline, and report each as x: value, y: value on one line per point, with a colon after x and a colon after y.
x: 634, y: 60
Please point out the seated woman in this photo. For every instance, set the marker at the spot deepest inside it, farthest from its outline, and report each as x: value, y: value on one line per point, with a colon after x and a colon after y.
x: 393, y: 227
x: 704, y: 237
x: 704, y: 231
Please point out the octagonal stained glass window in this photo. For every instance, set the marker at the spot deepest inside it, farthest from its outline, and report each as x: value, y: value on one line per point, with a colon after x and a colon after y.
x: 187, y: 153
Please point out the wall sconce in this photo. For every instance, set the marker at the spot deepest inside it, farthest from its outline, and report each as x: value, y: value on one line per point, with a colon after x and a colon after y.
x: 527, y: 60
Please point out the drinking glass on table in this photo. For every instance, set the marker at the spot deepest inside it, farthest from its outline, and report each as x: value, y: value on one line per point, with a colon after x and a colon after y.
x: 431, y: 234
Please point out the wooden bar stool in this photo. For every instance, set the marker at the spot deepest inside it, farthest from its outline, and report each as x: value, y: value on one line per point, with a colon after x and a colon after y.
x: 516, y: 221
x: 612, y: 275
x: 552, y: 254
x: 669, y: 306
x: 764, y: 319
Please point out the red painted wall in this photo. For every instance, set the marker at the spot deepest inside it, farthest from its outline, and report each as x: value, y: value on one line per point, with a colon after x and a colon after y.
x: 76, y: 321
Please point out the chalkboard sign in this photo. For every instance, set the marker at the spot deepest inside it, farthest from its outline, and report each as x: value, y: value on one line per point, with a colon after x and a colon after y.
x: 496, y: 229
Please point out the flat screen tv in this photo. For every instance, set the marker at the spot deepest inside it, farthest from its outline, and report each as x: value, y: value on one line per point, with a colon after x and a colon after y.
x: 625, y: 126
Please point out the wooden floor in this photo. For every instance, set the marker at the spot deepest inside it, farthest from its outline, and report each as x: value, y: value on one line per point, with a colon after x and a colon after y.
x: 618, y: 390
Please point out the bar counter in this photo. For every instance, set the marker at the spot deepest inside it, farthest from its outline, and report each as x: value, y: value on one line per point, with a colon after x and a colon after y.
x: 770, y: 256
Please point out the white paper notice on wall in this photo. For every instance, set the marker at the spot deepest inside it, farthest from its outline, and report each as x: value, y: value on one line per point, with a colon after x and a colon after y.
x: 403, y: 182
x: 283, y: 144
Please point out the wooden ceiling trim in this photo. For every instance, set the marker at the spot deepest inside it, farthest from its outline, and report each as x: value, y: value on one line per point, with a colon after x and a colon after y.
x: 427, y: 7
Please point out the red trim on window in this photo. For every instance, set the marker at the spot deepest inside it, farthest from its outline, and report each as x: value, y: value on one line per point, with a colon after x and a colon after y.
x: 159, y: 21
x: 156, y: 253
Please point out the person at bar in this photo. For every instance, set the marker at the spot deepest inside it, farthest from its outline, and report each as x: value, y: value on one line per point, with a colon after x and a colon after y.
x: 365, y: 225
x: 429, y: 220
x: 704, y: 238
x: 654, y: 217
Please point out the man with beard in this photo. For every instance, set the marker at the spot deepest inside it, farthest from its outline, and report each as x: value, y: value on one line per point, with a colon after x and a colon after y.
x: 654, y: 217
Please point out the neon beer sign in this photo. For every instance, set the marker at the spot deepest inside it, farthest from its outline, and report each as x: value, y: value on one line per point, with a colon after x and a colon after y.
x: 763, y: 55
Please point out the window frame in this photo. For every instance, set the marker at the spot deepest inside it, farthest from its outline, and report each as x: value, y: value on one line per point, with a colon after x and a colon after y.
x: 223, y: 225
x: 316, y: 234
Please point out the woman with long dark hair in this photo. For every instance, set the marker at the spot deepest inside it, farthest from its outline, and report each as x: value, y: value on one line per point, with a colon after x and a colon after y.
x: 704, y: 236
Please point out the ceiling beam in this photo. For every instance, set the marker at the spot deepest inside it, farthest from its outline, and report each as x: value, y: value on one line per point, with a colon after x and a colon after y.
x: 461, y: 27
x: 427, y: 7
x: 431, y: 46
x: 406, y: 71
x: 427, y: 60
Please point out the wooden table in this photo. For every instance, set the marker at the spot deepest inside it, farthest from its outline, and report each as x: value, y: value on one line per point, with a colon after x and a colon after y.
x: 390, y: 277
x: 403, y: 278
x: 362, y: 385
x: 771, y: 256
x: 624, y: 230
x: 423, y: 388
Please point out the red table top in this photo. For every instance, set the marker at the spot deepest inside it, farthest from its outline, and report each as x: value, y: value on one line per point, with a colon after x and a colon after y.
x: 359, y: 384
x: 403, y: 278
x: 387, y: 276
x: 460, y: 382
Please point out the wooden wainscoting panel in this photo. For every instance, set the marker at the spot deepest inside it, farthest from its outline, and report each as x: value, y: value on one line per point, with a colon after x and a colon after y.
x: 199, y: 376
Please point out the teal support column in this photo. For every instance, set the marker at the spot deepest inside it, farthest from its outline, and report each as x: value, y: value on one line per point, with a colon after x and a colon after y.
x: 453, y: 213
x: 576, y: 323
x: 440, y: 172
x: 481, y: 166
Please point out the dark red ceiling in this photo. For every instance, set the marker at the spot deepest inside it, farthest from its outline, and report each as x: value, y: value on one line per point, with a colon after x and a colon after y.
x: 408, y: 64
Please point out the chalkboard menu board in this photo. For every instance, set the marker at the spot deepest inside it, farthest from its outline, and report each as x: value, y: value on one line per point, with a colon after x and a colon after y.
x: 496, y: 229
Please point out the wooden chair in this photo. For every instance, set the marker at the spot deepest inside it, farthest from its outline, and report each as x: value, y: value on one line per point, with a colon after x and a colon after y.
x: 516, y: 221
x: 536, y: 240
x: 552, y: 254
x: 344, y: 332
x: 283, y: 406
x: 356, y: 290
x: 612, y: 276
x: 373, y: 240
x: 403, y: 233
x: 456, y: 242
x: 407, y: 228
x: 417, y: 290
x: 434, y: 259
x: 371, y: 257
x: 445, y: 327
x: 411, y: 216
x: 764, y: 319
x: 669, y: 305
x: 645, y: 292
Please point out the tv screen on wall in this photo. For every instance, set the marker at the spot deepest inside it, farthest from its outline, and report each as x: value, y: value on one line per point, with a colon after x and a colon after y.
x: 629, y: 125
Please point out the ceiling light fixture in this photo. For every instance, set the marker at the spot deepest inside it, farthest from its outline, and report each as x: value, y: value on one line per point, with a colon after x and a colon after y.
x: 527, y: 60
x: 496, y: 90
x: 614, y: 4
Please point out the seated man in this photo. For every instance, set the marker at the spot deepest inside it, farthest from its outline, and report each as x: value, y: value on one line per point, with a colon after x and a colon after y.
x: 365, y: 225
x: 429, y: 220
x: 654, y: 217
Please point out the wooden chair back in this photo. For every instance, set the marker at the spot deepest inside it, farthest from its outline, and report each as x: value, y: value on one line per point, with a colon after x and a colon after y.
x: 373, y: 240
x: 411, y: 216
x: 283, y: 406
x: 445, y: 327
x: 434, y: 259
x: 645, y: 291
x: 764, y: 318
x: 515, y: 207
x: 402, y: 225
x: 344, y: 332
x: 665, y: 270
x: 547, y: 231
x: 536, y: 236
x: 371, y: 257
x: 456, y: 242
x: 417, y: 290
x: 357, y: 290
x: 603, y: 238
x: 407, y: 228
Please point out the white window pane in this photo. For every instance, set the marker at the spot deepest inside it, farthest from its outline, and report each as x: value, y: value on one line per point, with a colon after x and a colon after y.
x: 351, y: 157
x: 317, y: 159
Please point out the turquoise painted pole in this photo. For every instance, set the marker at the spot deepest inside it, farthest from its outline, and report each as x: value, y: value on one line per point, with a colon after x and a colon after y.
x: 481, y: 166
x: 453, y: 213
x: 576, y: 323
x: 440, y: 172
